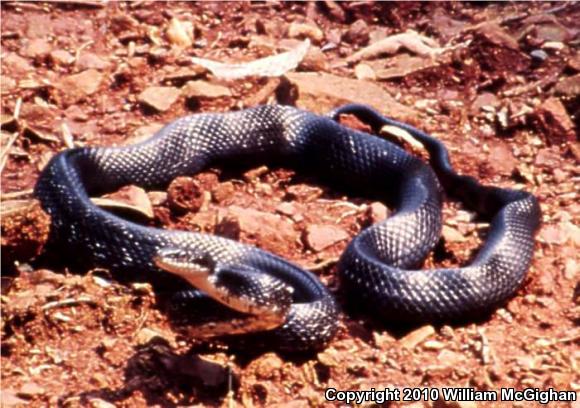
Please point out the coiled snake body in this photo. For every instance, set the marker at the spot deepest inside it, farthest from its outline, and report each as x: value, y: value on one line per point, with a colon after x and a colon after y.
x: 377, y: 267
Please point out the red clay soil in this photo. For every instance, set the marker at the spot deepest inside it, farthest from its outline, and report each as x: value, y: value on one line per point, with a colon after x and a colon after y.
x: 503, y: 97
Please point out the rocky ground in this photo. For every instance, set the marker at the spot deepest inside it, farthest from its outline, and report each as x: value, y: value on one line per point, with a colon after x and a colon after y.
x: 498, y: 83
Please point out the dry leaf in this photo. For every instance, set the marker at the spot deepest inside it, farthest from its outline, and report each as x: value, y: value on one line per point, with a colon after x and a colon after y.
x: 273, y: 66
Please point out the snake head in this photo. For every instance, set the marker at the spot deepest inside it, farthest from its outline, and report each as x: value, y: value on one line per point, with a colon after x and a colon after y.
x: 191, y: 265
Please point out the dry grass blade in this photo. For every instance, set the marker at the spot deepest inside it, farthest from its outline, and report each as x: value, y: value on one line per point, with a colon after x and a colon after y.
x: 16, y: 194
x: 6, y: 151
x: 69, y: 302
x: 11, y: 207
x: 67, y: 136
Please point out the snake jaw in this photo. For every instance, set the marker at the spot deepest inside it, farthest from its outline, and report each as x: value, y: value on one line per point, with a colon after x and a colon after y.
x: 193, y: 266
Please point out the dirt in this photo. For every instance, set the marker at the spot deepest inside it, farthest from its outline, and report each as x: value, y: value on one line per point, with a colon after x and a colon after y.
x: 75, y: 73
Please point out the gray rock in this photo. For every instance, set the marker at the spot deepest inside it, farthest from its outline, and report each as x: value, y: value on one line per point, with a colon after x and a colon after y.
x: 539, y: 55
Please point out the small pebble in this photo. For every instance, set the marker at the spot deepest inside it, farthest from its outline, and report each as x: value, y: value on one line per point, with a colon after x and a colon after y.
x: 539, y: 55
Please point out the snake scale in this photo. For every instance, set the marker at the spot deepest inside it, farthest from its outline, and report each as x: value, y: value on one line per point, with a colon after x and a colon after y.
x: 379, y: 268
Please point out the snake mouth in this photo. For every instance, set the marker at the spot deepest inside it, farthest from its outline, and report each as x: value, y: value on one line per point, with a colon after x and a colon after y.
x: 189, y: 264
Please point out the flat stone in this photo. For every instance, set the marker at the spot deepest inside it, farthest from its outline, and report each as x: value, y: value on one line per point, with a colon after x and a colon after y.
x: 329, y: 357
x: 88, y: 60
x: 552, y: 32
x: 377, y: 34
x: 286, y: 208
x: 558, y: 234
x: 569, y: 87
x: 445, y: 26
x: 548, y: 158
x: 450, y: 234
x: 377, y: 212
x: 78, y: 86
x: 413, y: 339
x: 320, y: 237
x: 554, y: 122
x: 145, y: 335
x: 484, y: 99
x: 46, y: 276
x: 365, y: 72
x: 183, y: 74
x: 402, y: 65
x: 38, y: 48
x: 358, y: 33
x: 560, y: 176
x: 314, y: 60
x: 159, y: 98
x: 574, y: 62
x: 269, y: 231
x: 157, y: 197
x: 303, y: 192
x: 132, y: 198
x: 16, y: 64
x: 223, y: 191
x: 8, y: 398
x: 335, y: 11
x: 61, y: 57
x: 501, y: 159
x: 205, y: 90
x: 99, y: 403
x: 31, y: 390
x: 571, y: 269
x: 209, y: 373
x: 267, y: 366
x: 497, y: 35
x: 321, y: 92
x: 306, y: 30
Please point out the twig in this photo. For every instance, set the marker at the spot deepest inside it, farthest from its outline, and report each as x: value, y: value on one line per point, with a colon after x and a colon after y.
x: 69, y: 302
x: 230, y: 393
x: 16, y: 194
x: 536, y: 86
x: 17, y: 108
x: 67, y: 136
x: 347, y: 214
x: 485, y: 349
x: 142, y: 319
x: 323, y: 264
x: 82, y: 3
x: 6, y: 151
x: 80, y: 49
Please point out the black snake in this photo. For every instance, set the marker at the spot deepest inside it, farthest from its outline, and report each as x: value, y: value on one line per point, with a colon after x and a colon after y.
x: 377, y: 267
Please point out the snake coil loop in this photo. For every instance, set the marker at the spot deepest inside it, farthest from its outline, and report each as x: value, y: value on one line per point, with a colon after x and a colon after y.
x: 287, y: 304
